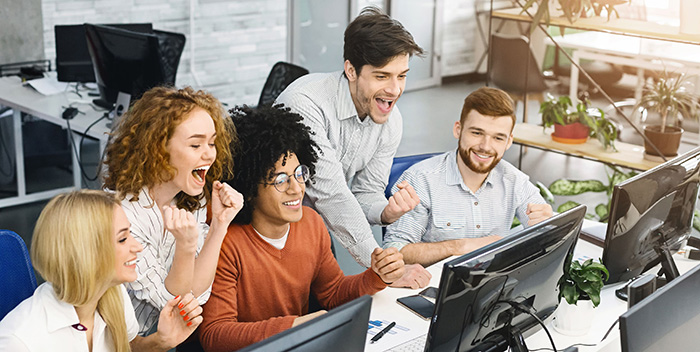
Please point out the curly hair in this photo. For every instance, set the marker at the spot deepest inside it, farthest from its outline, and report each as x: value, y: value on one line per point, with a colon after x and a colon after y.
x: 137, y: 156
x: 265, y: 134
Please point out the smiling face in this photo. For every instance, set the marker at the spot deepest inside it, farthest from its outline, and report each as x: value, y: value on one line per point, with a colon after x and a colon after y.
x: 192, y: 151
x: 483, y: 140
x: 274, y: 210
x: 375, y: 90
x: 126, y: 247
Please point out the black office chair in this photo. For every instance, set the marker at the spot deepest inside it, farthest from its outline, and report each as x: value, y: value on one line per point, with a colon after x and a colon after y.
x: 170, y: 45
x: 281, y: 75
x: 513, y: 68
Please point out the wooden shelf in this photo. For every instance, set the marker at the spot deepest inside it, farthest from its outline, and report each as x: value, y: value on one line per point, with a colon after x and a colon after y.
x: 621, y: 26
x: 628, y: 155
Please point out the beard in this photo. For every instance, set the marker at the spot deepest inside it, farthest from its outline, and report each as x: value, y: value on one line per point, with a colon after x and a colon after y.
x: 480, y: 169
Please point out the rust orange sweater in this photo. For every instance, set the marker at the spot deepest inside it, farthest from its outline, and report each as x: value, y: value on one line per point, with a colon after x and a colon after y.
x: 259, y: 290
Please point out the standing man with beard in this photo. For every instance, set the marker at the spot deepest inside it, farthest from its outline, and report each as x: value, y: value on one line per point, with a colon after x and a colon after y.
x: 357, y: 127
x: 468, y: 197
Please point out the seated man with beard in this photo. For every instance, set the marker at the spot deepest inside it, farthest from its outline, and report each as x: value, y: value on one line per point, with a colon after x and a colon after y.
x: 468, y: 197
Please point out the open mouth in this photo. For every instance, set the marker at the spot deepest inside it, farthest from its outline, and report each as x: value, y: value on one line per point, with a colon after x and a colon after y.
x: 292, y: 203
x: 384, y: 104
x: 200, y: 173
x: 131, y: 262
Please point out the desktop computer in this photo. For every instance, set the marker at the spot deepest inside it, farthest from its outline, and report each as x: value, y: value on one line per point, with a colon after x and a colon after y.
x: 493, y: 297
x: 667, y: 320
x: 343, y: 328
x: 651, y: 216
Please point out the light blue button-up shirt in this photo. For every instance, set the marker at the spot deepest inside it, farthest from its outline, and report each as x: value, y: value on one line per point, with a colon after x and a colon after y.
x: 449, y: 210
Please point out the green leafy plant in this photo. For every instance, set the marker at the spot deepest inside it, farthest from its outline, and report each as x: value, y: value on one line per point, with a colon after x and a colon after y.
x: 565, y: 187
x: 561, y: 111
x: 572, y: 9
x: 670, y: 95
x: 582, y: 281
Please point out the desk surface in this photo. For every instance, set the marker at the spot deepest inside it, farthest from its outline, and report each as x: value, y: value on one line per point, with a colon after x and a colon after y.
x: 628, y: 155
x: 50, y: 108
x: 615, y: 25
x: 384, y: 307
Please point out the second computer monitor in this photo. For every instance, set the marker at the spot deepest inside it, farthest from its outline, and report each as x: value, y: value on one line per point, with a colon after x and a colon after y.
x: 341, y: 329
x: 485, y: 295
x: 650, y: 216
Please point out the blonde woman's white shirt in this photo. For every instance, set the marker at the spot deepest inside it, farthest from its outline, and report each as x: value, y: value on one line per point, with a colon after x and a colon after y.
x: 148, y: 292
x: 42, y: 322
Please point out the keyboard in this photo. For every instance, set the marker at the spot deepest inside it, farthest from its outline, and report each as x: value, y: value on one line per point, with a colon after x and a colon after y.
x: 415, y: 345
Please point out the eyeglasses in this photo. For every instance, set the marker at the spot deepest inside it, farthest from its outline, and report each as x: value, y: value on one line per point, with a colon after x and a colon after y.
x: 282, y: 180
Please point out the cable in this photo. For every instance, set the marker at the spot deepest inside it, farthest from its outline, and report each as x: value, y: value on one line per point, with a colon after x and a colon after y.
x: 610, y: 329
x: 77, y: 154
x: 527, y: 309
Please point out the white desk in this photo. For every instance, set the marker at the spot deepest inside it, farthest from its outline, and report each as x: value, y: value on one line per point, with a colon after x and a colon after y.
x: 384, y: 307
x: 49, y: 108
x: 630, y: 51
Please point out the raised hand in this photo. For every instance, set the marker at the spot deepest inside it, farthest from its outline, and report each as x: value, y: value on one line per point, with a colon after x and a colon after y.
x: 401, y: 202
x: 179, y: 319
x: 538, y: 212
x: 181, y: 224
x: 388, y: 264
x: 226, y: 202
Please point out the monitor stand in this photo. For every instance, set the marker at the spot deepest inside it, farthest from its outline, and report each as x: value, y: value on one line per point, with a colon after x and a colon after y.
x: 668, y: 272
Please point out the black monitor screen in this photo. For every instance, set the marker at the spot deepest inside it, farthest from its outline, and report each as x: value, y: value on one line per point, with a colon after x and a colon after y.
x: 651, y: 214
x: 124, y: 61
x: 478, y: 291
x: 667, y: 320
x: 73, y: 63
x: 341, y: 329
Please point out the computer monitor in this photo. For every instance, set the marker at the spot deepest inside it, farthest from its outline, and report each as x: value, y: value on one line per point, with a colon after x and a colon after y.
x: 484, y: 294
x: 73, y: 63
x: 124, y: 61
x: 343, y: 328
x: 667, y: 320
x: 650, y: 217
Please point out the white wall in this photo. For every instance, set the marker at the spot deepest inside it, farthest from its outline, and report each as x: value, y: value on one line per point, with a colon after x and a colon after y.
x: 237, y: 42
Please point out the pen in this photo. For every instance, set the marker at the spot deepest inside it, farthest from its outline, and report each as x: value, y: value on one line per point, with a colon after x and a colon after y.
x: 381, y: 333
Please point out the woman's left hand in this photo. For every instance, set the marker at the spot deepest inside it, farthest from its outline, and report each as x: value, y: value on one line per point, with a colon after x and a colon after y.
x: 226, y: 202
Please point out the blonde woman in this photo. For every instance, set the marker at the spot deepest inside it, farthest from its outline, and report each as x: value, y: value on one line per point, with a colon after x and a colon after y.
x: 164, y: 162
x: 83, y: 248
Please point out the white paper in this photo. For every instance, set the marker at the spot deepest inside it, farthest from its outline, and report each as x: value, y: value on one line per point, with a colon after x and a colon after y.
x: 48, y: 85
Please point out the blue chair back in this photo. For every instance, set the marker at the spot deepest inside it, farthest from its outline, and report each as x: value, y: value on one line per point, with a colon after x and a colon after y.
x: 17, y: 273
x: 400, y: 165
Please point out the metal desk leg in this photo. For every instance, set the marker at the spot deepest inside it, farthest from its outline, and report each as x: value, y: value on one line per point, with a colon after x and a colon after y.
x: 19, y: 153
x: 520, y: 157
x: 75, y: 162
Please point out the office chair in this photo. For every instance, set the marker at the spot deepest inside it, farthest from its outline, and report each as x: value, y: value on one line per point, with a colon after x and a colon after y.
x: 281, y: 75
x: 398, y: 167
x: 170, y: 45
x: 17, y: 274
x: 511, y: 70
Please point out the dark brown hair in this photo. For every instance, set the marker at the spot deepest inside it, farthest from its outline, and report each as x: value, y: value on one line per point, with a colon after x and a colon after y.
x: 373, y: 38
x: 488, y: 102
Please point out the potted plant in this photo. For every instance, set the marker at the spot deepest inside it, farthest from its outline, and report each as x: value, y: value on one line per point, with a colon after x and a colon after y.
x: 572, y: 9
x: 670, y: 96
x: 574, y: 126
x: 580, y: 286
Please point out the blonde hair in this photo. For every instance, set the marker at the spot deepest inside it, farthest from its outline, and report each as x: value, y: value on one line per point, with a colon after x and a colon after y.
x: 73, y: 249
x: 137, y: 156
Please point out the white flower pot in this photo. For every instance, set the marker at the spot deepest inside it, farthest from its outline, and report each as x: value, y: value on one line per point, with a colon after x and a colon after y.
x: 574, y: 320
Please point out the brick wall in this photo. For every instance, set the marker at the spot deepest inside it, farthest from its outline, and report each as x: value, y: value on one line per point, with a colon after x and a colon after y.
x: 236, y: 42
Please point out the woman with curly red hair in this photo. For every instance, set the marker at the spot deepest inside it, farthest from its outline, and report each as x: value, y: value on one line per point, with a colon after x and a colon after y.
x: 164, y: 162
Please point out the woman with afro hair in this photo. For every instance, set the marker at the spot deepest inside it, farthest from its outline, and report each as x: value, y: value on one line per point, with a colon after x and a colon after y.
x: 278, y: 252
